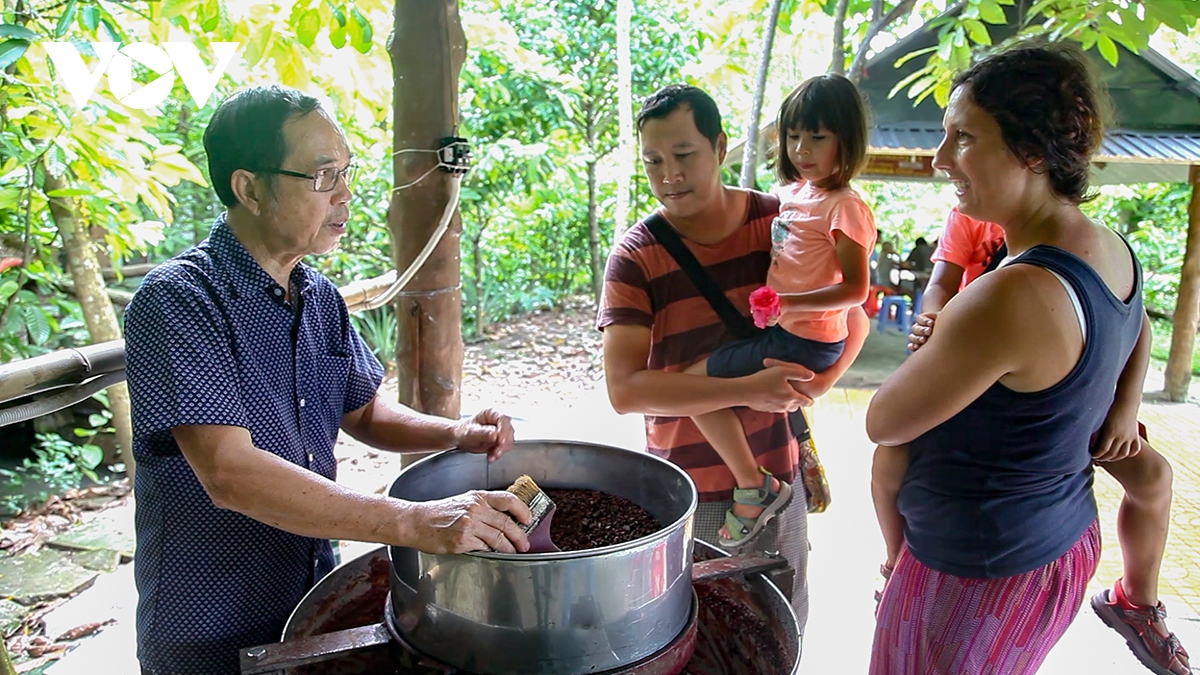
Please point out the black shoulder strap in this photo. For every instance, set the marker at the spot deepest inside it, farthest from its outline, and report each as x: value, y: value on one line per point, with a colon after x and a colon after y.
x: 735, y: 321
x: 997, y: 257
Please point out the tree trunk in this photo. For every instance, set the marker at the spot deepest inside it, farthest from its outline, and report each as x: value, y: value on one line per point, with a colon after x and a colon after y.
x: 750, y: 150
x: 594, y: 234
x: 98, y: 311
x: 624, y: 118
x: 427, y: 52
x: 837, y: 65
x: 1187, y: 304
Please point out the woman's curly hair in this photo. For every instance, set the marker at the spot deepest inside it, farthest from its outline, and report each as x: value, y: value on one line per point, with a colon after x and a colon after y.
x: 1050, y: 108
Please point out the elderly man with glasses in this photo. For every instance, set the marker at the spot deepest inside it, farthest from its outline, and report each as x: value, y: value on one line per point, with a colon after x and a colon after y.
x: 243, y: 366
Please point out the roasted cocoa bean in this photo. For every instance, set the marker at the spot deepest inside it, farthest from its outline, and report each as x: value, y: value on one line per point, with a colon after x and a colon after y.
x: 588, y: 519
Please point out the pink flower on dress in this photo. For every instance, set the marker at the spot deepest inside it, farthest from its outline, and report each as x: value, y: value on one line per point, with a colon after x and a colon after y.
x: 764, y: 306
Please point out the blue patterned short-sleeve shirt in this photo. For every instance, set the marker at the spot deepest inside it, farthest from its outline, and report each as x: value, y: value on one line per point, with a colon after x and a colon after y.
x: 210, y: 339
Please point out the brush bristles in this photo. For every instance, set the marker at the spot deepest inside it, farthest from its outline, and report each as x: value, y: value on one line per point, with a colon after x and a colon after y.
x: 539, y: 502
x: 525, y: 489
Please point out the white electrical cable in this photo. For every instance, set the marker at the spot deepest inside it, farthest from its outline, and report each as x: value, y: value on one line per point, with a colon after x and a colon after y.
x: 401, y: 151
x: 402, y: 281
x: 423, y: 177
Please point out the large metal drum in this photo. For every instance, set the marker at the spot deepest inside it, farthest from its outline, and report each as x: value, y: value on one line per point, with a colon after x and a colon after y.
x: 549, y: 613
x: 747, y: 626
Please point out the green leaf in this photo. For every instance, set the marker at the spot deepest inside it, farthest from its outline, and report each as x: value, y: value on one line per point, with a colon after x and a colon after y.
x: 978, y: 32
x: 360, y: 25
x: 89, y: 18
x: 209, y: 15
x: 922, y: 87
x: 173, y: 8
x: 941, y: 93
x: 337, y: 35
x: 8, y: 30
x: 258, y: 46
x: 961, y: 59
x: 90, y: 456
x: 308, y: 27
x: 944, y: 48
x: 11, y: 50
x: 912, y: 77
x: 6, y: 289
x: 1108, y: 49
x: 15, y: 321
x: 36, y: 323
x: 912, y: 55
x: 1038, y: 8
x: 10, y: 198
x: 339, y: 14
x: 1174, y: 19
x: 114, y: 33
x: 97, y: 420
x: 67, y: 18
x: 990, y: 11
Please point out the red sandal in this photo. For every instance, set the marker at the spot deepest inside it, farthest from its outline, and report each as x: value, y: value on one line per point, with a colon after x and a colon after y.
x: 1163, y: 655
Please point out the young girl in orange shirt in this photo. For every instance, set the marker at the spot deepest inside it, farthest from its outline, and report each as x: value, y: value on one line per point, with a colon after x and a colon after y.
x: 822, y: 240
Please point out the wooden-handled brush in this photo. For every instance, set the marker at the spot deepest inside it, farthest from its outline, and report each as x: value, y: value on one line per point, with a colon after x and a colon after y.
x: 542, y: 508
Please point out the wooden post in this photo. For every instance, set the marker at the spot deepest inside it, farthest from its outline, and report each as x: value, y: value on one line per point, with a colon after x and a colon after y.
x: 428, y: 49
x: 1187, y: 305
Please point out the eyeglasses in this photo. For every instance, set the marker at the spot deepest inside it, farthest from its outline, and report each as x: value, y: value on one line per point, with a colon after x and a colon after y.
x: 324, y: 180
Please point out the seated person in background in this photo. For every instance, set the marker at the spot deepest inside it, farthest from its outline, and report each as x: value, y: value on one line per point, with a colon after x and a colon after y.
x: 919, y: 258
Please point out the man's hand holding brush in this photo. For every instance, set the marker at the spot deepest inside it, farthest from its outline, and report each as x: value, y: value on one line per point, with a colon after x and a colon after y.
x: 476, y: 521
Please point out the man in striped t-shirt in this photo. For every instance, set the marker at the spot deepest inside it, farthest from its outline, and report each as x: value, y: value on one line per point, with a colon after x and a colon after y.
x: 656, y: 323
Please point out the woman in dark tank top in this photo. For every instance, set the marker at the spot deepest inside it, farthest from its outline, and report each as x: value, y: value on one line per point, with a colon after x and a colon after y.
x: 999, y: 406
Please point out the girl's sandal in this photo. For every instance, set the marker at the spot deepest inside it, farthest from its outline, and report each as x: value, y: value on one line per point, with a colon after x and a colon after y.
x: 771, y: 502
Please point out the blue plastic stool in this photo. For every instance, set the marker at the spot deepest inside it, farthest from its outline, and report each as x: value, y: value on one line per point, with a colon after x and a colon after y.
x: 901, y: 321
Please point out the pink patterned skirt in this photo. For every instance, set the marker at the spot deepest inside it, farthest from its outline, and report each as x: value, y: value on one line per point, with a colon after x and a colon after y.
x: 931, y: 623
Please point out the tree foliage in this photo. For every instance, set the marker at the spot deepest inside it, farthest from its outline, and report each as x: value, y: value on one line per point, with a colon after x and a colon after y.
x: 1094, y: 24
x: 539, y: 97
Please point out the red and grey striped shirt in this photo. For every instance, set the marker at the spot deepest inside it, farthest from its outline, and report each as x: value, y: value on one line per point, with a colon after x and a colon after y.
x: 644, y: 286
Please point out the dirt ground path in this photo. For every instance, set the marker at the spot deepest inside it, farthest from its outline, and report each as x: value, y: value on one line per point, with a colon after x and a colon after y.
x: 540, y: 361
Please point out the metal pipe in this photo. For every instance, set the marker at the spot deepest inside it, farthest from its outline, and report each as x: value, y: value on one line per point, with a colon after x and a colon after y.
x: 66, y: 399
x: 64, y: 367
x: 358, y: 293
